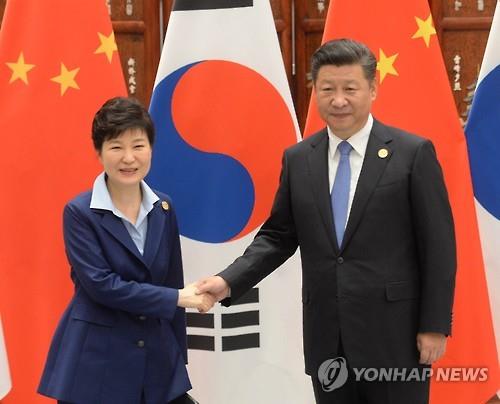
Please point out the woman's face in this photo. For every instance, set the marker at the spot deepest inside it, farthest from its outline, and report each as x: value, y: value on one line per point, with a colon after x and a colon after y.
x: 126, y: 159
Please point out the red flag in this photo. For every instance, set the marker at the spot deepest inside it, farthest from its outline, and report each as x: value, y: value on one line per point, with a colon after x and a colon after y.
x: 58, y: 64
x: 414, y: 94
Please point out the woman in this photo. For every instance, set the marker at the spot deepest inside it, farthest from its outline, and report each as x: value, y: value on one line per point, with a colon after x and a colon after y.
x: 122, y: 339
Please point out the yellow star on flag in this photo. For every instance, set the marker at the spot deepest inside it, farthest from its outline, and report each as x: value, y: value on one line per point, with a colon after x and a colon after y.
x: 20, y: 69
x: 385, y: 65
x: 108, y: 45
x: 425, y: 30
x: 67, y: 78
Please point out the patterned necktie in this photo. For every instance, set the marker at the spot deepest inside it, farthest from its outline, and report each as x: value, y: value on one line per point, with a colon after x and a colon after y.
x: 340, y: 191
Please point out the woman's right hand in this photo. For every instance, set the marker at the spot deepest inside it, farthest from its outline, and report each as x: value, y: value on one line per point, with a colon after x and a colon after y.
x: 189, y: 299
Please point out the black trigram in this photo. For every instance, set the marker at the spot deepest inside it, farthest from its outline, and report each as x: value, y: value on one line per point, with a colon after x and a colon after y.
x: 228, y: 321
x: 191, y: 5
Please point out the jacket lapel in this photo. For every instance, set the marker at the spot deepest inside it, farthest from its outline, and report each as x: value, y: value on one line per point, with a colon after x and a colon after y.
x: 371, y: 171
x: 116, y: 228
x: 318, y: 171
x: 156, y: 224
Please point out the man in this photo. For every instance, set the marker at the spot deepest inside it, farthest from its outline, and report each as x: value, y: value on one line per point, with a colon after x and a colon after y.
x: 368, y: 207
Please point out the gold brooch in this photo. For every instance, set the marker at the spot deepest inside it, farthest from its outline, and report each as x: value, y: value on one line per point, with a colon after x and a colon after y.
x: 383, y: 153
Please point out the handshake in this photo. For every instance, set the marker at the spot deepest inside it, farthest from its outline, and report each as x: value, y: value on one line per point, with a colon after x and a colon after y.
x: 202, y: 295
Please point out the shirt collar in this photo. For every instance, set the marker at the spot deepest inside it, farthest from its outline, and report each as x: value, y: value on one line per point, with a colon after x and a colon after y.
x: 358, y: 141
x: 101, y: 199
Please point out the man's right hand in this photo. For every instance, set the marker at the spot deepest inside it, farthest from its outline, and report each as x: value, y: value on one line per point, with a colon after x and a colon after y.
x: 215, y: 285
x: 190, y: 297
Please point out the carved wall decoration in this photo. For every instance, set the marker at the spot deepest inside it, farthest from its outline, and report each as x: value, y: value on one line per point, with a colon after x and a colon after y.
x: 456, y: 69
x: 131, y: 71
x: 129, y: 8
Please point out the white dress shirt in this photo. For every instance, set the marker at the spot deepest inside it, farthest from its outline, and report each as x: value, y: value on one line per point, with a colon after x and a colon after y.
x: 101, y: 199
x: 358, y: 141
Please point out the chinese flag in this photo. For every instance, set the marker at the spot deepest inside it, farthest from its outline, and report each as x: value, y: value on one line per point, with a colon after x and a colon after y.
x: 414, y: 94
x: 58, y: 64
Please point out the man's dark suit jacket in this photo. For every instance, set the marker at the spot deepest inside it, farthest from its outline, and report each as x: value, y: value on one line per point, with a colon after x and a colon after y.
x: 392, y: 277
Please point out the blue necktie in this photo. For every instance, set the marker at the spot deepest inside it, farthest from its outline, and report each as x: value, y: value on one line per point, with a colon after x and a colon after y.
x: 340, y: 190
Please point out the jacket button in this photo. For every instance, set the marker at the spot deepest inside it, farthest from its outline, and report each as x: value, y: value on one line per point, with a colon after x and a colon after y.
x: 340, y: 260
x: 141, y: 343
x: 142, y: 318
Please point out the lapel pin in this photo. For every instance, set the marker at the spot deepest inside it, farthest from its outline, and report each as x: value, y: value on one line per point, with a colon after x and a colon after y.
x: 383, y: 153
x: 165, y: 205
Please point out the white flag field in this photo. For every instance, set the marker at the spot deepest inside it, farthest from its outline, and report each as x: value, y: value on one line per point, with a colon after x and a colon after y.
x: 223, y: 114
x: 483, y: 142
x: 5, y: 383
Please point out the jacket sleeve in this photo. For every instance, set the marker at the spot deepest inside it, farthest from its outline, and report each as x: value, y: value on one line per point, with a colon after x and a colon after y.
x: 275, y: 242
x: 104, y: 285
x: 177, y: 279
x: 435, y: 236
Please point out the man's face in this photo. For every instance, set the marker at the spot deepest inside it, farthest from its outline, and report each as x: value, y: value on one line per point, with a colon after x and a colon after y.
x: 344, y: 97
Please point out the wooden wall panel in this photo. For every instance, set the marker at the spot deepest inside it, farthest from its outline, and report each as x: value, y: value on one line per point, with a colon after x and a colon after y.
x: 282, y: 13
x: 2, y: 8
x: 462, y: 27
x: 467, y: 8
x: 167, y: 7
x: 462, y: 55
x: 310, y: 18
x: 123, y: 10
x: 137, y: 29
x: 130, y: 43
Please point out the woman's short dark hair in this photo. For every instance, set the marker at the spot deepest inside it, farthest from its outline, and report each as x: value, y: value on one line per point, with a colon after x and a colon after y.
x: 341, y: 52
x: 116, y: 116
